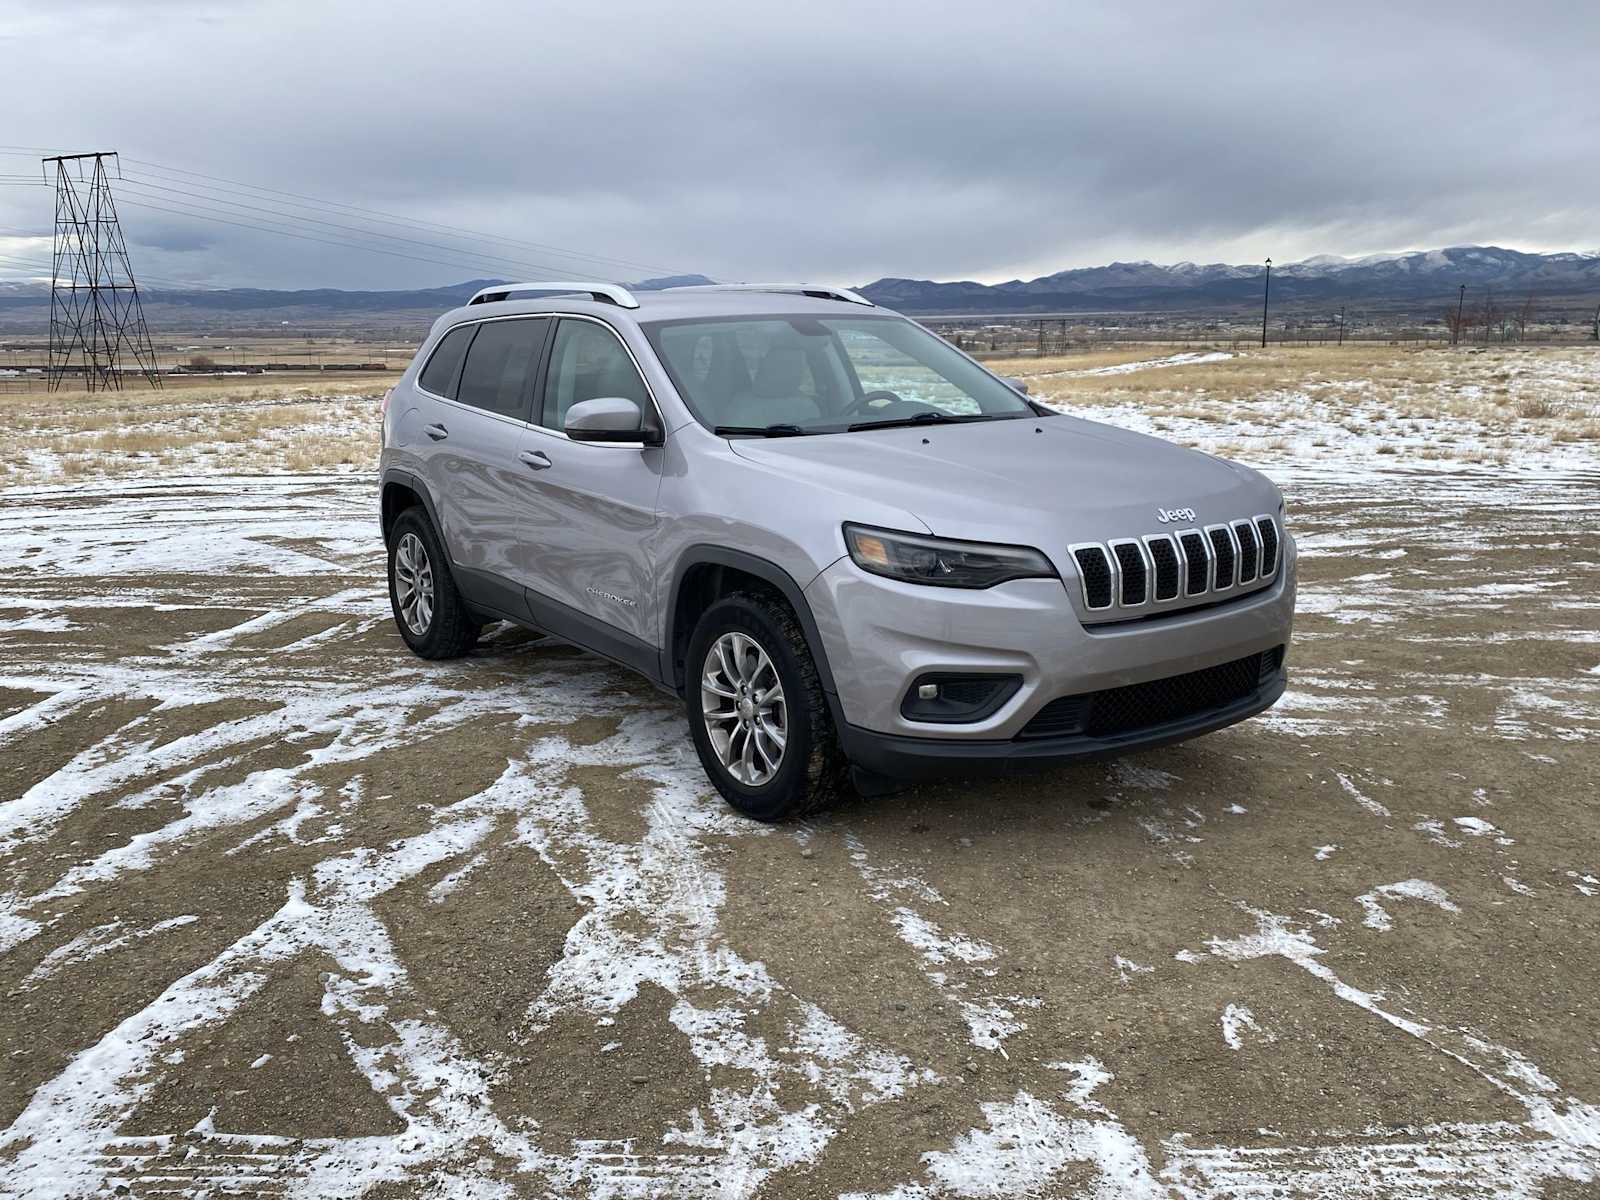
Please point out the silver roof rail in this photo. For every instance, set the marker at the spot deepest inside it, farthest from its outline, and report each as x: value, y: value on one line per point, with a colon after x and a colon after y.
x: 818, y: 291
x: 611, y: 292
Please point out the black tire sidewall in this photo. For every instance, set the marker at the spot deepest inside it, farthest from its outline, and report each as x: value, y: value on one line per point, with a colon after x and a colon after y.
x: 431, y: 643
x: 786, y: 790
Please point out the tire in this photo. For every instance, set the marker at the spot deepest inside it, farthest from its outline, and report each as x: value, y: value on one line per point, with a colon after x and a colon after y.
x: 444, y: 628
x: 811, y: 771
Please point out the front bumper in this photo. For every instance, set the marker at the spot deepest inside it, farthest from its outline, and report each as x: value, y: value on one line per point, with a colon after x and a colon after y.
x: 880, y: 635
x: 908, y: 758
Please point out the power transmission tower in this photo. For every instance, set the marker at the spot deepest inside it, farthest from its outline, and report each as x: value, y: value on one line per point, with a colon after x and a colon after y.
x: 96, y: 320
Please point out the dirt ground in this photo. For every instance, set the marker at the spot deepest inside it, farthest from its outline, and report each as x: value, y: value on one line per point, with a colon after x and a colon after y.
x: 285, y: 910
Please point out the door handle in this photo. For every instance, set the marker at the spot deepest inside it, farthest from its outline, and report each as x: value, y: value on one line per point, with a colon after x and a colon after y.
x: 437, y: 432
x: 537, y: 459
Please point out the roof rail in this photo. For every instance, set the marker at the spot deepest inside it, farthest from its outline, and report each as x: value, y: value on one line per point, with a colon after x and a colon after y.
x: 610, y: 292
x: 818, y: 291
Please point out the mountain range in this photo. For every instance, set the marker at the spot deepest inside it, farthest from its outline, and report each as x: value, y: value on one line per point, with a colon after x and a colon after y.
x: 1421, y: 277
x: 1423, y: 280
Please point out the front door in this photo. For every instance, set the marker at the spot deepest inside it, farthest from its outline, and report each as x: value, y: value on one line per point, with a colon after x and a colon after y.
x: 590, y: 525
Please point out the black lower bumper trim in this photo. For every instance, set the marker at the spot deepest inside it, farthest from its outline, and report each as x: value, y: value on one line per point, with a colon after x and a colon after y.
x: 901, y: 757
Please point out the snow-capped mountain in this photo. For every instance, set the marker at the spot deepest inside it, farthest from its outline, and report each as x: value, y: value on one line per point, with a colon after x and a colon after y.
x: 1418, y: 276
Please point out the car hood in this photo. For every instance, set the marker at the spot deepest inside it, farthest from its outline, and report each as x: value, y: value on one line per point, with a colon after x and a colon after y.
x: 1047, y: 482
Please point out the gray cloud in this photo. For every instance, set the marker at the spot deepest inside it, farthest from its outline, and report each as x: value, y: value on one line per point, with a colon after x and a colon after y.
x: 831, y: 140
x: 175, y: 239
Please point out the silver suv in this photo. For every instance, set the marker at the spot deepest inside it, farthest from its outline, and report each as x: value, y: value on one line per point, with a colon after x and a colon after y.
x: 853, y: 552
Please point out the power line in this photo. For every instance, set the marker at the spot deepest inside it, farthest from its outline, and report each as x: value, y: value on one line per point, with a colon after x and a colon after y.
x: 206, y: 203
x: 196, y: 205
x: 46, y: 268
x: 396, y: 218
x: 468, y: 260
x: 305, y: 237
x: 366, y: 231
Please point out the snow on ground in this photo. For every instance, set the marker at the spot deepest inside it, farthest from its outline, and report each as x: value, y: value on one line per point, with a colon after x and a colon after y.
x: 1187, y: 359
x: 1533, y: 412
x: 219, y: 651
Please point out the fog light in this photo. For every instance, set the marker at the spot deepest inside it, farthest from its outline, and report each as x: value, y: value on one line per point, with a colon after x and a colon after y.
x: 951, y: 698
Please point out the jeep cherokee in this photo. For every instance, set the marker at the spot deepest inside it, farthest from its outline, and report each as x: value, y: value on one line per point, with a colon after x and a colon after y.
x: 851, y: 550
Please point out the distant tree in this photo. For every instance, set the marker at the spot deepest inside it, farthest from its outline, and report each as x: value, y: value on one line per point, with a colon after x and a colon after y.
x: 1524, y: 315
x: 201, y: 362
x: 1489, y: 314
x: 1459, y: 321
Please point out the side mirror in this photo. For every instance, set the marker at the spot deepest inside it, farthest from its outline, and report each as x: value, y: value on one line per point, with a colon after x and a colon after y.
x: 1019, y: 384
x: 606, y: 419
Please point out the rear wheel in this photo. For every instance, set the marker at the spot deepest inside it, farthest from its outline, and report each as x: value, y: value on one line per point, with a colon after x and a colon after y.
x: 428, y: 610
x: 759, y: 719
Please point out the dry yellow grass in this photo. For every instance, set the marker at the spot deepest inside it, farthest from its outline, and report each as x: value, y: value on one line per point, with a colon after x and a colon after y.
x: 1435, y: 404
x: 1430, y: 404
x: 1417, y: 383
x: 237, y: 427
x: 1089, y: 360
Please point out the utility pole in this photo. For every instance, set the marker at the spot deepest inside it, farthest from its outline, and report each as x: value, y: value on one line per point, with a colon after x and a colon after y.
x: 1266, y: 294
x: 1597, y: 322
x: 95, y: 315
x: 1341, y: 324
x: 1461, y: 304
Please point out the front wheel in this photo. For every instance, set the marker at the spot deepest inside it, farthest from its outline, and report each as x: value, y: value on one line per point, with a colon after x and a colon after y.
x: 759, y: 719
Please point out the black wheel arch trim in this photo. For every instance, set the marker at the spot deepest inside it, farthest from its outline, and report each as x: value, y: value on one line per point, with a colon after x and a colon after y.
x: 412, y: 483
x: 704, y: 554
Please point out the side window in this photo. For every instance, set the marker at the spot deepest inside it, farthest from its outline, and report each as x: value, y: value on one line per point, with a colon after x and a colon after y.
x: 439, y: 376
x: 587, y: 361
x: 502, y: 359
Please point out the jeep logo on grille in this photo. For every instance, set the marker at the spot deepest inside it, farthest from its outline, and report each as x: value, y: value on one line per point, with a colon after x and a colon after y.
x: 1168, y: 515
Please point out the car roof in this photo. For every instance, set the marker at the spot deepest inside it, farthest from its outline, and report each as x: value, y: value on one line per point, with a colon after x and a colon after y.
x: 673, y: 304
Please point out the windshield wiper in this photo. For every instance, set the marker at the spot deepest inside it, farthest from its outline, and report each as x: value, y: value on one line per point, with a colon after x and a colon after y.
x: 778, y: 430
x: 932, y: 416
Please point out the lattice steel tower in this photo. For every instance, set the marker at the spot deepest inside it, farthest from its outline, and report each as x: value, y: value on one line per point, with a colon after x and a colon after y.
x: 96, y: 321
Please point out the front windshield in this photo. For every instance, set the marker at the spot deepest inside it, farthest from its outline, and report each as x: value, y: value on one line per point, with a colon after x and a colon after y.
x: 824, y: 375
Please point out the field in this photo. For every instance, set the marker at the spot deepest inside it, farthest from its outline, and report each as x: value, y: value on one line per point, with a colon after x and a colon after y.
x: 143, y: 433
x: 288, y: 911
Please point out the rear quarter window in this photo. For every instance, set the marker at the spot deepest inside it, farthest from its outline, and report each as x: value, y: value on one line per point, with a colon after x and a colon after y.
x: 444, y: 365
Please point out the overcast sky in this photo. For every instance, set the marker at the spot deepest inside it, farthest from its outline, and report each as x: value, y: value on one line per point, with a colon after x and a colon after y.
x: 839, y: 142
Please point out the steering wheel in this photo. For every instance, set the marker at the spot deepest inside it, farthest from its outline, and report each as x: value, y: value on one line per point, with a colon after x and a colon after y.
x: 860, y: 403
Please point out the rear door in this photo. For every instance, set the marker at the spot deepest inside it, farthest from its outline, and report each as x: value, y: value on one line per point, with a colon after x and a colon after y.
x: 593, y: 518
x: 479, y: 484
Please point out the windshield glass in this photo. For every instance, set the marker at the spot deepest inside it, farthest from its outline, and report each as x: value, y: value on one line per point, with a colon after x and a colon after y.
x: 824, y: 375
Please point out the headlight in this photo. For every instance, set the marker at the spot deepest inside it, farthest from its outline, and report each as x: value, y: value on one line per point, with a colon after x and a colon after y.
x: 913, y: 558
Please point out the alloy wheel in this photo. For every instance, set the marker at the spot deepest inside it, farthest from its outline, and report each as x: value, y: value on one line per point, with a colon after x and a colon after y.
x: 413, y: 583
x: 741, y: 698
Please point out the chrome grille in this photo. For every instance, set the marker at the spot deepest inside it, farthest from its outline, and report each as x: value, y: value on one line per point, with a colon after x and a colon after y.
x: 1269, y: 545
x: 1249, y: 559
x: 1130, y: 564
x: 1094, y: 568
x: 1196, y: 562
x: 1224, y: 554
x: 1159, y: 569
x: 1164, y: 558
